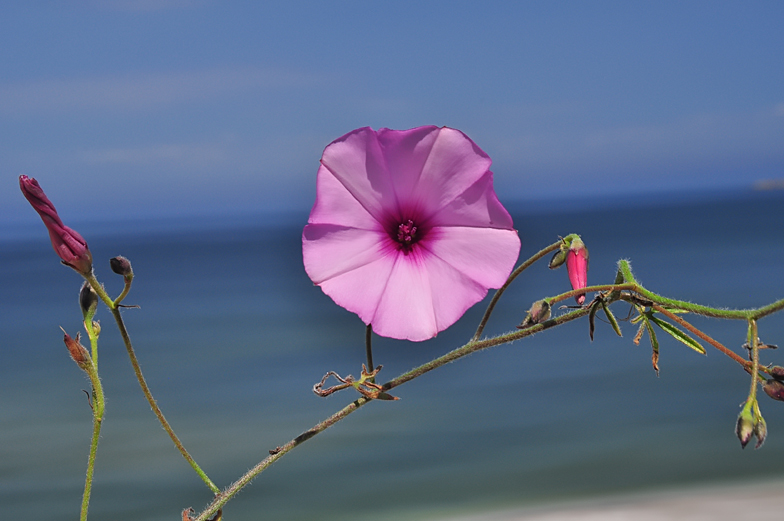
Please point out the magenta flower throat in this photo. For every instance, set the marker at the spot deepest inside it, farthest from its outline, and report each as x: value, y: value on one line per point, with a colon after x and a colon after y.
x: 407, y: 231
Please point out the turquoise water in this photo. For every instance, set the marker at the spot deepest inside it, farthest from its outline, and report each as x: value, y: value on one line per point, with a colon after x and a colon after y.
x: 232, y: 335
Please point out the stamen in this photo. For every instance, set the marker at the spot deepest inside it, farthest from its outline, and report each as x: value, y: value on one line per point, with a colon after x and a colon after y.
x: 407, y: 235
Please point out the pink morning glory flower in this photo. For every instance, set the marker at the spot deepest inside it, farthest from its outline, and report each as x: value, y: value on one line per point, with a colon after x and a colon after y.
x: 407, y: 231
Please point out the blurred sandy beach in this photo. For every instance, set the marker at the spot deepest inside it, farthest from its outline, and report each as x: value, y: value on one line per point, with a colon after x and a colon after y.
x: 764, y: 500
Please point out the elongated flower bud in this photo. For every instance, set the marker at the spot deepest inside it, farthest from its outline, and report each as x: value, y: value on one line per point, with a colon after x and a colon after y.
x: 577, y: 267
x: 69, y: 245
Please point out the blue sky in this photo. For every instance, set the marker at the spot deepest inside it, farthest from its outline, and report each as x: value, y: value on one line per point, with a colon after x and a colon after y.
x: 134, y: 108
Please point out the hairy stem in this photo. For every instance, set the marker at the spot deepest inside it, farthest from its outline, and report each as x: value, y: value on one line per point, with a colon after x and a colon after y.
x: 154, y: 405
x: 88, y: 482
x: 509, y: 280
x: 97, y: 405
x: 113, y: 307
x: 735, y: 314
x: 696, y: 332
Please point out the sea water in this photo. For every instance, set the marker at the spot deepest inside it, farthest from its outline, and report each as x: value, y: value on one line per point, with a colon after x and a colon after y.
x: 232, y: 335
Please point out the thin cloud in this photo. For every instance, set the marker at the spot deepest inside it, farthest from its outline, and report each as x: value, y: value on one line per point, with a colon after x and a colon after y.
x: 144, y: 5
x: 181, y: 154
x: 142, y: 91
x: 695, y: 141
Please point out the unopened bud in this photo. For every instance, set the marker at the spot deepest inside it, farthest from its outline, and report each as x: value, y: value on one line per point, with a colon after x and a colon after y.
x: 577, y: 266
x: 744, y: 429
x: 88, y: 301
x: 774, y: 389
x: 777, y: 372
x: 539, y: 312
x: 121, y: 266
x: 559, y: 258
x: 77, y: 351
x: 67, y: 243
x: 760, y: 431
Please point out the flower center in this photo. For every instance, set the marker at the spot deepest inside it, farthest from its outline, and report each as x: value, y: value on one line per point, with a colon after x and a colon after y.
x: 407, y: 236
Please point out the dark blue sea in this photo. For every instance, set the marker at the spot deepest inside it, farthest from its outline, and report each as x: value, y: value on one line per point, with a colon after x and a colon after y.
x: 232, y: 335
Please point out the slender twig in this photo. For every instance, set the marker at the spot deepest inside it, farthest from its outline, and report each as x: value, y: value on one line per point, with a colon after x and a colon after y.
x: 97, y: 405
x: 143, y: 383
x: 509, y: 280
x: 88, y: 482
x: 153, y: 404
x: 735, y: 314
x: 696, y: 332
x: 754, y: 343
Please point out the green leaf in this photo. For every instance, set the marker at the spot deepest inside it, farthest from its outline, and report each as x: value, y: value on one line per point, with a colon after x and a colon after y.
x: 592, y: 317
x: 678, y: 335
x: 611, y: 318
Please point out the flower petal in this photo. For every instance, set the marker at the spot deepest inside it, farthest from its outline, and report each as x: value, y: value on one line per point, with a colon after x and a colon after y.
x: 360, y: 289
x: 485, y: 255
x: 357, y: 161
x: 336, y: 205
x: 454, y: 163
x: 477, y: 206
x: 424, y: 295
x: 330, y: 250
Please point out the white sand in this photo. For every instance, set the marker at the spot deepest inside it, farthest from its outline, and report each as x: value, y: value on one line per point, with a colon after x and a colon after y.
x: 764, y: 500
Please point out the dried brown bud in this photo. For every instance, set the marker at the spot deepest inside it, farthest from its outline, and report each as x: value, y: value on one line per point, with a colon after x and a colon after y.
x: 77, y: 351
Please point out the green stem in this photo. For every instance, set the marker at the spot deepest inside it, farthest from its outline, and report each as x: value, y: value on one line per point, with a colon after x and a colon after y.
x: 512, y: 276
x: 369, y: 347
x: 88, y: 482
x: 735, y: 314
x: 696, y: 332
x: 154, y: 405
x: 143, y: 383
x: 124, y: 292
x: 754, y: 343
x: 98, y: 410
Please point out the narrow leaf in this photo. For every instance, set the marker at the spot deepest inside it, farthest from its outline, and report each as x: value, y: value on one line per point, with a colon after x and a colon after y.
x: 679, y: 335
x: 611, y: 318
x: 591, y: 318
x: 654, y: 346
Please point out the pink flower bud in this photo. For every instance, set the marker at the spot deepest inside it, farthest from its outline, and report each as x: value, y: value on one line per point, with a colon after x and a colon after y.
x: 68, y: 244
x: 577, y: 267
